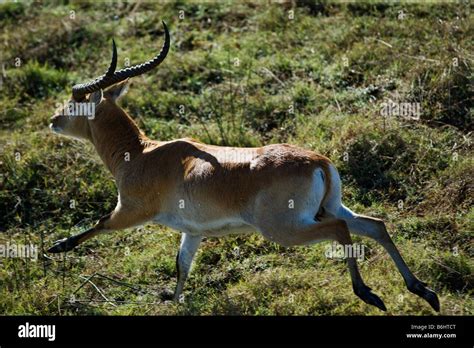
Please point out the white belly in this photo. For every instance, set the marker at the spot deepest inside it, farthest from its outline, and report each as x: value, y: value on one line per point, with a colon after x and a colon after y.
x: 214, y: 228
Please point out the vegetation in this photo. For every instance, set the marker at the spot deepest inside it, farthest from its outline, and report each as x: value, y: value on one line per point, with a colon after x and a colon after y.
x: 246, y: 73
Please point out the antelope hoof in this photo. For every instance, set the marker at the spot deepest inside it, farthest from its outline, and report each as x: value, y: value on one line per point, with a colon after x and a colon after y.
x: 419, y: 288
x: 369, y: 297
x: 62, y: 245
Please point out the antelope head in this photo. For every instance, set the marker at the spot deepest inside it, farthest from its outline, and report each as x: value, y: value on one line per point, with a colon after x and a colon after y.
x: 94, y: 101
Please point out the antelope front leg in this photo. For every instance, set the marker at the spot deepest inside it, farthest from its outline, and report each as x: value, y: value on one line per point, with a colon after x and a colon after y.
x: 184, y: 259
x: 121, y: 218
x: 67, y: 244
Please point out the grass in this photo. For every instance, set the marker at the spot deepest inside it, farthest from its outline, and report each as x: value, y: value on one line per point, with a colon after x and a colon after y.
x: 242, y: 74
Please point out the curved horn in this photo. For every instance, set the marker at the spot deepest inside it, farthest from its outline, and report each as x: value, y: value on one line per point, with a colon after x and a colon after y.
x: 111, y: 76
x: 80, y: 90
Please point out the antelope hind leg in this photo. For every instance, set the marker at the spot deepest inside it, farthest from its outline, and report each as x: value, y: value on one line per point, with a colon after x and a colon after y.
x: 375, y: 229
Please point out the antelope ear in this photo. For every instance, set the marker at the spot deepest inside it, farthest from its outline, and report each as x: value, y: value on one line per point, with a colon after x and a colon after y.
x: 96, y: 97
x: 116, y: 91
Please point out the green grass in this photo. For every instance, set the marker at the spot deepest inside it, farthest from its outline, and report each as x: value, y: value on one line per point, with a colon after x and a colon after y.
x: 246, y: 75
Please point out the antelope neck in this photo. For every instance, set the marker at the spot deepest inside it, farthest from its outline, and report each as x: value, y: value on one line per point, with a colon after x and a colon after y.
x: 117, y: 139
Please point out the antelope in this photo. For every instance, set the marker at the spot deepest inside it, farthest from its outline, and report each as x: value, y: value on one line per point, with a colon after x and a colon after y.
x: 204, y: 190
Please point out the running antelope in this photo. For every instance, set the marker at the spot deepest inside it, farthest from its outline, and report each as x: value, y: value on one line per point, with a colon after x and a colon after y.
x: 210, y: 191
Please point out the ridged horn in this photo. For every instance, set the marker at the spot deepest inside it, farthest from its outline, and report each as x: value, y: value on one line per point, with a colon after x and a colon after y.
x: 112, y: 77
